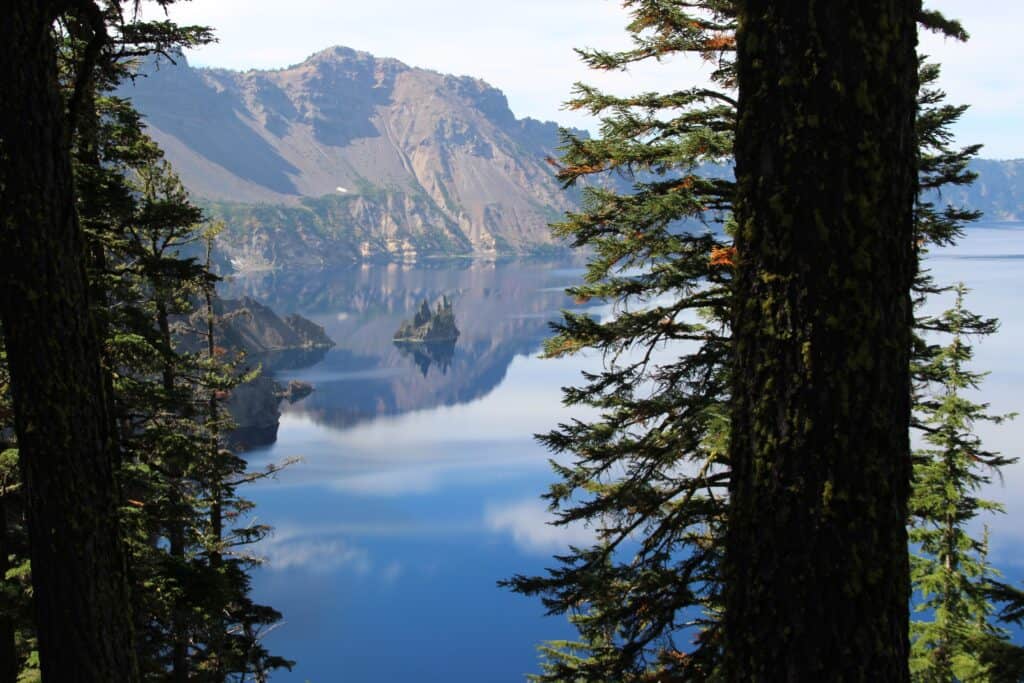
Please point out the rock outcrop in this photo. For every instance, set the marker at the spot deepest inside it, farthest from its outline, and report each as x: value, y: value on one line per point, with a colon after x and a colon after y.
x: 254, y: 408
x: 250, y: 326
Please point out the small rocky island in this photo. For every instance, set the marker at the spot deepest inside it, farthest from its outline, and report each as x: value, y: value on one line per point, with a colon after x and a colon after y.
x: 430, y: 326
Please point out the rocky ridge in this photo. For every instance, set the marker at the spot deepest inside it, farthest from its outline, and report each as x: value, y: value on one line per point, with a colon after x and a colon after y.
x: 350, y: 157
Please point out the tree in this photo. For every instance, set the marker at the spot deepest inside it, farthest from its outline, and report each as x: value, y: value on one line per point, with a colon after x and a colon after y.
x: 67, y: 452
x: 193, y: 613
x: 958, y: 639
x: 189, y: 583
x: 650, y: 473
x: 816, y: 567
x: 664, y: 421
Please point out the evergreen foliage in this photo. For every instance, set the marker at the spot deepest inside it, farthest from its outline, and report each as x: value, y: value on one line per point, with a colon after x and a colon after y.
x: 957, y: 639
x: 429, y: 326
x: 183, y: 519
x: 649, y: 474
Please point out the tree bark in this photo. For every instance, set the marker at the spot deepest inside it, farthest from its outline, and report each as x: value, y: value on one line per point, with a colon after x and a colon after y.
x: 67, y: 453
x: 816, y: 568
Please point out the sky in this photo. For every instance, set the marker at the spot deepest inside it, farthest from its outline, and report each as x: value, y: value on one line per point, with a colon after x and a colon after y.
x: 525, y: 48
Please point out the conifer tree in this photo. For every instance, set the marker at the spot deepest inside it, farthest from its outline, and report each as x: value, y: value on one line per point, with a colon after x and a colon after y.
x: 816, y: 577
x: 195, y: 612
x: 67, y: 453
x: 651, y: 472
x: 140, y: 241
x: 682, y: 641
x: 959, y: 638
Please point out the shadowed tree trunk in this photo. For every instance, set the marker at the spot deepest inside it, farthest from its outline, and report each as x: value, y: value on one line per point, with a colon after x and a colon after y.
x: 67, y: 452
x: 816, y: 563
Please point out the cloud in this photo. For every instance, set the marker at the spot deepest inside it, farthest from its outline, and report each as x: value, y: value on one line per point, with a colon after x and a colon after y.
x: 529, y: 523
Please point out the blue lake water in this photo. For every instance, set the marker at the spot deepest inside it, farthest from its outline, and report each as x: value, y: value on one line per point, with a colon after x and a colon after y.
x: 419, y: 481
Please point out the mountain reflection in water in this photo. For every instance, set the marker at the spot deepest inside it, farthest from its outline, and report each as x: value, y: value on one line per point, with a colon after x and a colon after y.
x: 420, y: 479
x: 502, y: 309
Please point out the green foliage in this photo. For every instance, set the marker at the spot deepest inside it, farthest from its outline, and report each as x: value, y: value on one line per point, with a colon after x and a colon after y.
x: 958, y: 639
x: 184, y: 521
x: 180, y: 479
x: 649, y: 474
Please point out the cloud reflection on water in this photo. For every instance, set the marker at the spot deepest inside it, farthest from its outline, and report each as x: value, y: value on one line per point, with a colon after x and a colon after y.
x: 528, y: 522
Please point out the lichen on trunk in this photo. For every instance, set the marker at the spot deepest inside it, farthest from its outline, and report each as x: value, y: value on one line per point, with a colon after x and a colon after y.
x: 816, y: 562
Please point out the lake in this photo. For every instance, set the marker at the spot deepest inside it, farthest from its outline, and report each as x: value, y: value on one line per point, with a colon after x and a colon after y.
x: 419, y: 480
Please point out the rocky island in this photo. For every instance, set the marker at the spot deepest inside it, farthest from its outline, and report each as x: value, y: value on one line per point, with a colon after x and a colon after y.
x: 429, y: 326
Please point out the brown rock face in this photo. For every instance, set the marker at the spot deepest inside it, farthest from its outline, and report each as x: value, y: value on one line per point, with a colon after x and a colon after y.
x: 362, y: 157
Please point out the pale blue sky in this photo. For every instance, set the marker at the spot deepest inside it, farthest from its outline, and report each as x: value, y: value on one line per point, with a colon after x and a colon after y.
x: 525, y: 47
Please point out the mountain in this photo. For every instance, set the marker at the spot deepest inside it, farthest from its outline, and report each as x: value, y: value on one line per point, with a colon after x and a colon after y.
x: 998, y: 191
x: 349, y: 157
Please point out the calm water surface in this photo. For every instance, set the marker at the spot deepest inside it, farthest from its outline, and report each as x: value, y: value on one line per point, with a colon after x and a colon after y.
x: 419, y: 481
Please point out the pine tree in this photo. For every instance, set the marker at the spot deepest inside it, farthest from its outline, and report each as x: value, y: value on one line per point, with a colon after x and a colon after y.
x: 816, y: 570
x: 959, y: 639
x: 650, y: 473
x: 141, y: 236
x: 193, y: 606
x: 67, y: 453
x: 643, y: 137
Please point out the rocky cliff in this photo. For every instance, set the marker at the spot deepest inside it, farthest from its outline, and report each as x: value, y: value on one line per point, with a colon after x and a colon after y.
x: 348, y: 157
x: 248, y: 325
x: 271, y: 342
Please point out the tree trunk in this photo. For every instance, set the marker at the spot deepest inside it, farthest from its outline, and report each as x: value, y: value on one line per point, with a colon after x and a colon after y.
x: 67, y: 453
x: 817, y: 575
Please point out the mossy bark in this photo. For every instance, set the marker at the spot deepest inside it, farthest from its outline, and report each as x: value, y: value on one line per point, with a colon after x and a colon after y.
x: 816, y: 564
x: 67, y: 451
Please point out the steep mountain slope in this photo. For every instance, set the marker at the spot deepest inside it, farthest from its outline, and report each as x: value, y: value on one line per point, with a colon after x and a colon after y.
x: 349, y: 157
x: 998, y: 191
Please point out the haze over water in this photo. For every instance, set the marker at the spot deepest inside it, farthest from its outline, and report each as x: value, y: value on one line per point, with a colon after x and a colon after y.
x: 420, y: 480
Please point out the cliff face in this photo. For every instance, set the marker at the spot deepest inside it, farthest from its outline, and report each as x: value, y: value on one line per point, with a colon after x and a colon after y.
x: 250, y: 326
x: 273, y: 343
x: 353, y: 157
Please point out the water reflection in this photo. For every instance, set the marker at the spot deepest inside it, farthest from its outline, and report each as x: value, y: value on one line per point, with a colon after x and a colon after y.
x: 418, y: 484
x: 427, y: 354
x: 420, y: 480
x: 503, y: 311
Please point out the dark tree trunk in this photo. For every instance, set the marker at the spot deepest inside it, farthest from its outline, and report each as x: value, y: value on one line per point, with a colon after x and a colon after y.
x: 67, y: 453
x: 816, y: 559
